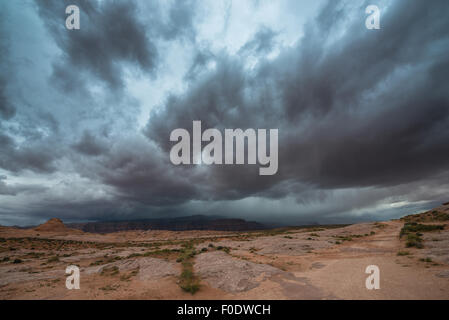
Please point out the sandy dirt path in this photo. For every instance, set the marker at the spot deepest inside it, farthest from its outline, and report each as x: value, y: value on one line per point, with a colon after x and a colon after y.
x: 339, y: 272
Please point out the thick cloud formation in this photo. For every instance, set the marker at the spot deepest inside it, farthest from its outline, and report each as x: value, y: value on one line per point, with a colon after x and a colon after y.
x: 111, y: 34
x: 361, y: 109
x: 7, y: 111
x: 363, y: 115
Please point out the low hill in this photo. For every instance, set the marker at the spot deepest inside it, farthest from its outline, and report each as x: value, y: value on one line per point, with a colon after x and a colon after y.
x: 435, y: 215
x: 52, y: 225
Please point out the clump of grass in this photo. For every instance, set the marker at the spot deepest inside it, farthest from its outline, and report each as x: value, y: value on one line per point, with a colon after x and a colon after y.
x: 110, y: 271
x: 161, y: 253
x: 403, y: 253
x: 188, y: 281
x: 97, y: 263
x: 127, y: 277
x: 414, y: 240
x: 418, y: 227
x: 413, y: 232
x: 379, y: 225
x: 344, y: 238
x: 314, y: 235
x: 426, y: 259
x: 253, y: 249
x: 107, y: 260
x: 109, y: 288
x: 225, y: 249
x: 16, y: 261
x: 53, y: 259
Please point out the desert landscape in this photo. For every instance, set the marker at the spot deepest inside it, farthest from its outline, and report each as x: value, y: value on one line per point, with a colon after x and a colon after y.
x: 322, y: 262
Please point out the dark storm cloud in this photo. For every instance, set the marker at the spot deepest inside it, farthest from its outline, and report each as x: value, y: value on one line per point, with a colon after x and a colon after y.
x: 365, y: 108
x: 7, y: 110
x: 179, y: 23
x: 89, y: 145
x: 110, y: 34
x: 363, y: 115
x: 38, y: 157
x: 262, y: 42
x: 199, y: 64
x: 140, y: 173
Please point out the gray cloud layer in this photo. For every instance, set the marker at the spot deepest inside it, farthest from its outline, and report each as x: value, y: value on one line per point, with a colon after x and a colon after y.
x: 367, y: 109
x: 363, y: 115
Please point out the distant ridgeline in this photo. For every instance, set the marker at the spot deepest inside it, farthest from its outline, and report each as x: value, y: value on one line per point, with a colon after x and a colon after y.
x: 173, y: 224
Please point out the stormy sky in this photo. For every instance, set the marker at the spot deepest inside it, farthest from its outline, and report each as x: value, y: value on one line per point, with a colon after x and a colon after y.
x: 86, y: 115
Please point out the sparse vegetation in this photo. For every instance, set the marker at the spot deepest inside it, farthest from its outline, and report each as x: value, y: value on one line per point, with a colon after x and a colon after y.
x: 110, y: 271
x: 412, y: 230
x: 253, y: 250
x: 414, y: 240
x: 429, y: 216
x: 188, y: 281
x: 225, y: 249
x: 184, y: 247
x: 109, y: 288
x: 53, y: 259
x: 379, y: 225
x: 418, y: 227
x: 127, y: 277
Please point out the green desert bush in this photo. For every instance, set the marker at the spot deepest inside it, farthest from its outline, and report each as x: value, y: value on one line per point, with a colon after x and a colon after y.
x: 414, y: 240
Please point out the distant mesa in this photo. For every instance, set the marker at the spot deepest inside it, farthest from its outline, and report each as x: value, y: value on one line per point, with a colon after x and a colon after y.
x: 52, y: 225
x: 197, y: 222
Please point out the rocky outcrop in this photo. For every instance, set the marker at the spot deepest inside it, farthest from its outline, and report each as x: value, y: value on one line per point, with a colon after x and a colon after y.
x: 52, y: 225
